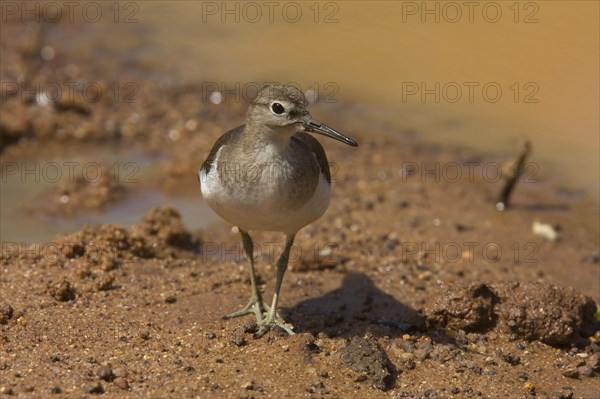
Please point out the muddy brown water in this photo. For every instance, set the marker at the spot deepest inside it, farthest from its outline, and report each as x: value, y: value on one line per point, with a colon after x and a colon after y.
x: 481, y: 77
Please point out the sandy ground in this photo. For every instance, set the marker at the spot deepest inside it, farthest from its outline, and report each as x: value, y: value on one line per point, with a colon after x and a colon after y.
x: 411, y: 285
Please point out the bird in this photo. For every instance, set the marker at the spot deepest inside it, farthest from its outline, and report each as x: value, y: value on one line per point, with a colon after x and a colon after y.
x: 270, y: 174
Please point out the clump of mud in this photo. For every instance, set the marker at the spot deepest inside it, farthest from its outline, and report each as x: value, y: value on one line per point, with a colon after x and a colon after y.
x: 161, y: 234
x: 6, y: 312
x: 365, y: 357
x: 83, y: 194
x: 163, y: 228
x: 554, y: 315
x: 468, y: 308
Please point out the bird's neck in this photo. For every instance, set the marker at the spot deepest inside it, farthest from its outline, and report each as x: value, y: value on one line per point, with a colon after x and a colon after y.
x: 263, y: 135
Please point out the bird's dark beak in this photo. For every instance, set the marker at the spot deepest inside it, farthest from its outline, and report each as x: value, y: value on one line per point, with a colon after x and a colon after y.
x: 311, y: 125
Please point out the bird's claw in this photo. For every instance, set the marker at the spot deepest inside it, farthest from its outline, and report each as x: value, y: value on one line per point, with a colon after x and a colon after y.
x: 256, y: 306
x: 272, y: 320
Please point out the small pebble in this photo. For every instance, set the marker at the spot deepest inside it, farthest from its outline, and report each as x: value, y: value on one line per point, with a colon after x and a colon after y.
x: 238, y: 337
x: 62, y: 291
x: 571, y: 372
x: 407, y: 361
x: 239, y: 340
x: 561, y: 395
x: 248, y: 385
x: 408, y: 346
x: 94, y: 388
x: 105, y: 373
x: 594, y: 362
x: 585, y: 371
x: 510, y: 358
x: 529, y: 387
x: 120, y: 372
x: 316, y: 386
x: 250, y: 328
x: 312, y: 347
x: 6, y: 312
x: 105, y: 283
x: 523, y: 376
x: 122, y: 383
x: 422, y: 353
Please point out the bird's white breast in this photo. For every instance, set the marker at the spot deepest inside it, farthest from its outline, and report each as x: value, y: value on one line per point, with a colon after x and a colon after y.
x: 257, y: 197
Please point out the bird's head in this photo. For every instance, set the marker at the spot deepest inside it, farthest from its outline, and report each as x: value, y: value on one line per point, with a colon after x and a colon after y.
x: 282, y: 108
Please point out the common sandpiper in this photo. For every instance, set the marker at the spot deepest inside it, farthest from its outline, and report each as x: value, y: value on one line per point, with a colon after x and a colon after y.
x: 270, y: 175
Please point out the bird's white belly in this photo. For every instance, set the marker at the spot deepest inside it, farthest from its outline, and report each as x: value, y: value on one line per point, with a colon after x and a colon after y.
x: 266, y: 204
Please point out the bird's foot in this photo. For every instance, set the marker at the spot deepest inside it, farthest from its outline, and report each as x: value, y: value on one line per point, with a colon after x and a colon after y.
x: 255, y: 306
x: 272, y: 320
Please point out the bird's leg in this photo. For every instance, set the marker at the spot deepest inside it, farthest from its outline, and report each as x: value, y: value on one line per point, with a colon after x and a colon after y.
x: 273, y: 319
x: 255, y: 305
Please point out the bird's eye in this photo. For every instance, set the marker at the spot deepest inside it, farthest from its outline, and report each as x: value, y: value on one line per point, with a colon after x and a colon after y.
x: 277, y: 108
